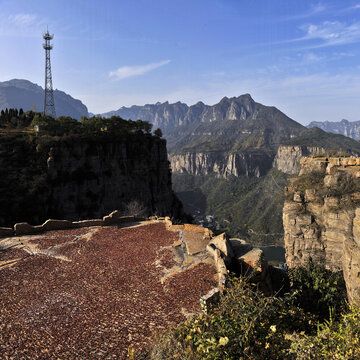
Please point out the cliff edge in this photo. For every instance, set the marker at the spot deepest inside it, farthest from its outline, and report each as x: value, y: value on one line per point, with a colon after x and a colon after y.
x: 83, y: 176
x: 321, y: 217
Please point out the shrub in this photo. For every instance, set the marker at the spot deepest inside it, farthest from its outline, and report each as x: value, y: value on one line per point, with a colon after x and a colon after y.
x: 317, y: 289
x: 313, y: 180
x: 334, y: 340
x: 245, y: 324
x: 136, y: 208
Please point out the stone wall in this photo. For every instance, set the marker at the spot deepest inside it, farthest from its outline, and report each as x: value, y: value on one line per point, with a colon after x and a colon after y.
x: 321, y: 217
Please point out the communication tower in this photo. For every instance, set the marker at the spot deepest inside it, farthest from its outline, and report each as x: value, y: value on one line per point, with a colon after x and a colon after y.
x: 49, y: 105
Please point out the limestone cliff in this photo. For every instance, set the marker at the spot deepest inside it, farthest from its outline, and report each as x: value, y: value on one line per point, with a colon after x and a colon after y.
x: 313, y: 142
x: 83, y: 177
x: 252, y: 164
x: 321, y: 217
x: 288, y: 157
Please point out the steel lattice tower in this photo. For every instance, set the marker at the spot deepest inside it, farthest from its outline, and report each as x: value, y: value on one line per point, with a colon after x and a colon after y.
x: 49, y: 105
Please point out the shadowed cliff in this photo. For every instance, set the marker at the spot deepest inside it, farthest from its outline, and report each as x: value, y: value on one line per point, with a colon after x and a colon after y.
x: 86, y: 172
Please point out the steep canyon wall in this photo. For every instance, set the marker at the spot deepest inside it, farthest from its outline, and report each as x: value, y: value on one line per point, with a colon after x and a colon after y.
x: 321, y: 217
x: 252, y: 164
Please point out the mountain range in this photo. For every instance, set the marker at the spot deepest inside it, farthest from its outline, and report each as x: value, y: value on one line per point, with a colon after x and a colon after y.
x: 24, y: 94
x: 343, y: 127
x: 222, y: 155
x: 241, y: 114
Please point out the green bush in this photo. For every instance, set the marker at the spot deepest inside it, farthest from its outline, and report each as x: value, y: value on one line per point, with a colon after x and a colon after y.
x: 317, y: 289
x: 245, y: 324
x: 334, y: 339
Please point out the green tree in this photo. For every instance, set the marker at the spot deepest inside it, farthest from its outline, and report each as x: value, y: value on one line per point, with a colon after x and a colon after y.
x: 318, y: 290
x: 45, y: 124
x: 158, y: 132
x: 68, y: 124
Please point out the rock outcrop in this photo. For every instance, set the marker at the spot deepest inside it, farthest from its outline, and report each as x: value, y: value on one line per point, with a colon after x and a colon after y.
x: 321, y: 217
x: 288, y: 157
x: 313, y: 142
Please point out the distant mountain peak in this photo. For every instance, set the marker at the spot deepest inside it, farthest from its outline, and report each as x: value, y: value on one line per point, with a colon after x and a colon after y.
x: 236, y: 116
x: 21, y: 93
x: 21, y: 83
x: 344, y: 127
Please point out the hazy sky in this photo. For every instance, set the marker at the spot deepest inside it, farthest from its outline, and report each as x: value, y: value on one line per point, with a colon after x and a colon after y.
x: 298, y: 55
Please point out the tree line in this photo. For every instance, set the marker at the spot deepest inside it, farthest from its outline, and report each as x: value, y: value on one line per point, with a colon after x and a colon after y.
x: 65, y: 125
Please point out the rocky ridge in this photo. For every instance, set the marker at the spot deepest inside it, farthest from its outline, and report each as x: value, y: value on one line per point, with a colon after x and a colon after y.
x: 312, y: 142
x: 321, y: 217
x: 343, y: 127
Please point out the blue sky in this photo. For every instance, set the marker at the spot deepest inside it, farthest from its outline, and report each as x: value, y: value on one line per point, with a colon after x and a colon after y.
x: 300, y: 56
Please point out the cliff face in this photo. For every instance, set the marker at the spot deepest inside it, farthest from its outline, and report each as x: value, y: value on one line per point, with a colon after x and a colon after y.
x: 287, y: 158
x: 221, y: 164
x: 83, y: 178
x: 321, y: 217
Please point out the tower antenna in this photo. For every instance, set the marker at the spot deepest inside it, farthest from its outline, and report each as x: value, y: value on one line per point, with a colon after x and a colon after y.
x: 49, y: 105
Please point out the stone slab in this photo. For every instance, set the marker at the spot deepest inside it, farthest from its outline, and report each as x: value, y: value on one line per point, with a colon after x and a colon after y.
x: 195, y: 242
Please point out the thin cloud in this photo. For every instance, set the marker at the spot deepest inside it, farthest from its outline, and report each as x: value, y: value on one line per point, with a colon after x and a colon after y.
x: 314, y: 10
x: 328, y: 33
x: 333, y: 33
x: 338, y: 55
x: 22, y: 25
x: 311, y: 58
x: 129, y: 71
x: 22, y: 20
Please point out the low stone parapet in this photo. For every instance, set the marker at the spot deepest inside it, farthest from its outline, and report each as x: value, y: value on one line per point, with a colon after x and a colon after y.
x: 86, y: 223
x: 53, y: 224
x: 25, y: 229
x: 4, y: 231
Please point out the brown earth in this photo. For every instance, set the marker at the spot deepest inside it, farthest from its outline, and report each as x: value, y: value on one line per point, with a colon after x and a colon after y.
x: 91, y: 293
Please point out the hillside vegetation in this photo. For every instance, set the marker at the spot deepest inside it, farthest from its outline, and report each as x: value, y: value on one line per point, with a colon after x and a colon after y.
x: 249, y: 208
x: 312, y: 321
x: 320, y: 138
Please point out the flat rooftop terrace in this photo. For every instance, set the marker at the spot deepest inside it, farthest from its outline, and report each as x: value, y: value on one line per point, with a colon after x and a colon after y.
x: 92, y: 292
